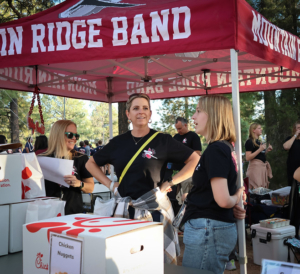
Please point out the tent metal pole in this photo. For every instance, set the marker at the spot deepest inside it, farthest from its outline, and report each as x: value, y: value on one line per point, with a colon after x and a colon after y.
x: 238, y: 147
x: 110, y: 137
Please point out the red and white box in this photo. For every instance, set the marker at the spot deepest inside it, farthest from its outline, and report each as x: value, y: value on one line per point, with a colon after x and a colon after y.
x: 4, y: 227
x: 110, y: 245
x: 10, y: 178
x: 17, y: 217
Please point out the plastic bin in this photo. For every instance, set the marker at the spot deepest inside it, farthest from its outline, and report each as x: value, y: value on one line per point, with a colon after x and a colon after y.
x: 268, y: 243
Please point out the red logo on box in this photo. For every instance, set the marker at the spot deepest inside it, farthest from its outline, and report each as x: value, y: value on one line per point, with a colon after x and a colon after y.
x: 39, y: 262
x: 93, y: 225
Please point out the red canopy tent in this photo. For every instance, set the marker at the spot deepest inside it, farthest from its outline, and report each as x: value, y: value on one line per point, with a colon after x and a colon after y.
x: 105, y: 50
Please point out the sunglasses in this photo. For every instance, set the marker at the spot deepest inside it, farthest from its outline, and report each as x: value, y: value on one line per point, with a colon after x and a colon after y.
x: 70, y: 135
x: 138, y: 95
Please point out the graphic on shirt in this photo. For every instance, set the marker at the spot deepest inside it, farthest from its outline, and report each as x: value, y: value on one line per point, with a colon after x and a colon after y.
x: 197, y: 167
x: 149, y: 153
x: 74, y: 171
x: 88, y: 7
x: 81, y: 150
x: 184, y: 141
x: 234, y: 158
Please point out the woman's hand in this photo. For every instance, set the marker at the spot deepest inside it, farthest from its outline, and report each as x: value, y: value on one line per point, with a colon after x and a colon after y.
x: 239, y: 193
x: 165, y: 187
x: 116, y: 184
x: 71, y: 180
x: 239, y: 212
x: 262, y: 147
x: 297, y: 132
x: 270, y: 148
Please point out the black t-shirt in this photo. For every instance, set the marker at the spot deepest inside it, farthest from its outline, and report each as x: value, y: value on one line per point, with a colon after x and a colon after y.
x: 191, y: 140
x: 148, y: 169
x: 71, y: 195
x: 216, y: 161
x: 249, y: 146
x: 293, y: 160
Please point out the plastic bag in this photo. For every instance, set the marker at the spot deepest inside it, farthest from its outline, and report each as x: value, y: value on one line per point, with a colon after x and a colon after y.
x: 177, y: 222
x: 44, y: 209
x: 104, y: 208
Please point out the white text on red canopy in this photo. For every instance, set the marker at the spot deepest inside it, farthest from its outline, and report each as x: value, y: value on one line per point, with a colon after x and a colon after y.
x: 87, y: 33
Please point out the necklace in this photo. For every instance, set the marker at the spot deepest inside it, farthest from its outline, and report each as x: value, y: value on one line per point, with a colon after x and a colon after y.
x: 135, y: 140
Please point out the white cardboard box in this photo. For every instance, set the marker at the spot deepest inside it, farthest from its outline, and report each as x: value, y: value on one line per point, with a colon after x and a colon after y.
x: 107, y: 244
x: 10, y: 178
x: 4, y: 224
x: 273, y: 249
x: 17, y: 217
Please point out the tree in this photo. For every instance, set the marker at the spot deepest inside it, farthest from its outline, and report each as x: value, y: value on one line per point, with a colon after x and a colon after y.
x: 100, y: 121
x: 123, y: 120
x: 281, y: 106
x: 16, y: 9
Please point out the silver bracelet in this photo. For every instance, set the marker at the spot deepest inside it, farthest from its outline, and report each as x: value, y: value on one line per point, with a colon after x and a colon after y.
x: 295, y: 135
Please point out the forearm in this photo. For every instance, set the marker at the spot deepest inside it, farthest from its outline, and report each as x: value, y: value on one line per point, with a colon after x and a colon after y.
x: 288, y: 144
x: 188, y: 170
x: 251, y: 156
x: 97, y: 173
x: 88, y: 185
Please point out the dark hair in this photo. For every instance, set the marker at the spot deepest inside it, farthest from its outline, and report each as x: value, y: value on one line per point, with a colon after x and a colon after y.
x: 28, y: 138
x: 41, y: 142
x: 182, y: 120
x: 100, y: 142
x: 81, y: 143
x: 3, y: 139
x: 86, y: 142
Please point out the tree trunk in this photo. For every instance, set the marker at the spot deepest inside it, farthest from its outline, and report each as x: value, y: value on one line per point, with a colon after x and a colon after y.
x: 123, y: 120
x: 186, y: 108
x: 14, y: 121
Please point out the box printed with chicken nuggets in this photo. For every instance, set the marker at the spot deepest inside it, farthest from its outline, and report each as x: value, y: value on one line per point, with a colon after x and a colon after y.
x: 109, y: 245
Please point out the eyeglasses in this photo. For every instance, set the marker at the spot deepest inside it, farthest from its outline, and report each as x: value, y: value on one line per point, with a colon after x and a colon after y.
x: 70, y: 135
x: 138, y: 95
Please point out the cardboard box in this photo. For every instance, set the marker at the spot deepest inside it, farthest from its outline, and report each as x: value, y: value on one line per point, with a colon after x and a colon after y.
x: 10, y: 178
x: 268, y: 243
x: 4, y: 224
x: 110, y: 245
x: 17, y: 217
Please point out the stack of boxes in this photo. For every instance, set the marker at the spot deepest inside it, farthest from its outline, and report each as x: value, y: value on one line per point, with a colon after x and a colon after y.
x: 12, y: 206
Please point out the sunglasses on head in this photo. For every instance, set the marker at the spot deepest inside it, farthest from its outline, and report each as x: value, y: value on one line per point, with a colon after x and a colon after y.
x: 70, y: 135
x: 138, y: 95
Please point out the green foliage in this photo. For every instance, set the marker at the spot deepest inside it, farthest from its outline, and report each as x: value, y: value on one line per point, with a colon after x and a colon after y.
x: 16, y: 9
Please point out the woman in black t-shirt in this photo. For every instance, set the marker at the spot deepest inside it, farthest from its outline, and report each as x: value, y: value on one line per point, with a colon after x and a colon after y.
x: 292, y: 144
x: 210, y: 232
x: 148, y: 169
x: 258, y: 169
x: 62, y: 139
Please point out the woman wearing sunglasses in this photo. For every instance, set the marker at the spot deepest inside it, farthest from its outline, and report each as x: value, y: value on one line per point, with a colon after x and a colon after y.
x: 147, y: 171
x: 62, y: 139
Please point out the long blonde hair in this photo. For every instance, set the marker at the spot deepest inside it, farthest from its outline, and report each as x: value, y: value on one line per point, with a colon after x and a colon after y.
x: 220, y: 124
x: 252, y: 136
x: 56, y: 142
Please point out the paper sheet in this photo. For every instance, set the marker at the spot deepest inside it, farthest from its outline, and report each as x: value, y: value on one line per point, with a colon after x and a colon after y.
x: 55, y: 169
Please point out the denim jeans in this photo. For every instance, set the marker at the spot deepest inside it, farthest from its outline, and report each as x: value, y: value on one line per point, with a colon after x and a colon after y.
x: 208, y: 244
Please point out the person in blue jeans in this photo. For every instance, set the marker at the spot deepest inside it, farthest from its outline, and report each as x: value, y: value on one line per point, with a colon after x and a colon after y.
x: 210, y: 232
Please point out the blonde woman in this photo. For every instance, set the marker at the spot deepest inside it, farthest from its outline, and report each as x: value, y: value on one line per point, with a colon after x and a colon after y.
x: 292, y: 144
x: 62, y: 139
x: 258, y: 169
x: 210, y: 231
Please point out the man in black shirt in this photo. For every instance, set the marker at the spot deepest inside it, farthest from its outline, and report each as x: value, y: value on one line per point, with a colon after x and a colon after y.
x: 191, y: 140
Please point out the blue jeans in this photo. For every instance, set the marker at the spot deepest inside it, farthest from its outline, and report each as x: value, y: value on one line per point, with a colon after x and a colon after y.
x: 208, y: 244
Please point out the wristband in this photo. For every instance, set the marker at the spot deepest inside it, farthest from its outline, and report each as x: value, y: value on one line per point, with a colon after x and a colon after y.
x: 81, y: 185
x: 111, y: 186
